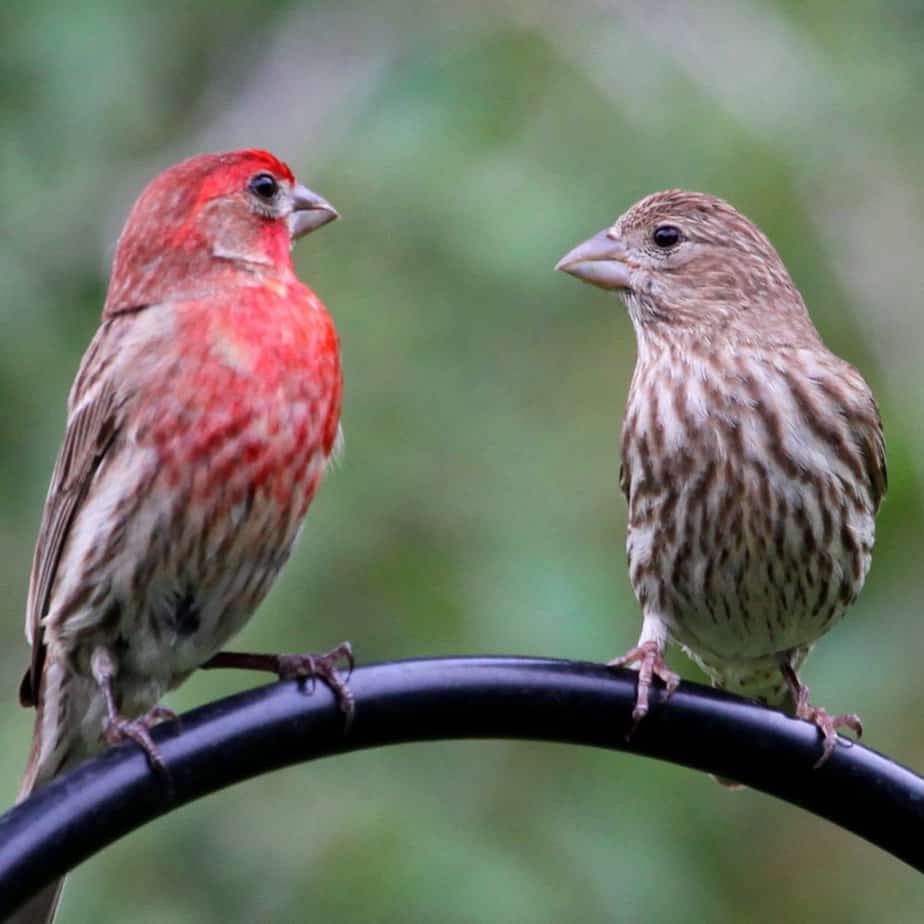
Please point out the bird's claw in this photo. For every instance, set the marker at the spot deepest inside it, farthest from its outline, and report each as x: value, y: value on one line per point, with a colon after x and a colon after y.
x: 323, y: 667
x: 158, y: 714
x: 649, y: 657
x: 828, y: 726
x: 117, y: 729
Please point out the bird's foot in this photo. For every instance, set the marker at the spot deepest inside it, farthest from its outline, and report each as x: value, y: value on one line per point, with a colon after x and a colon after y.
x: 118, y: 729
x: 323, y: 667
x: 313, y: 667
x: 649, y: 658
x: 828, y: 726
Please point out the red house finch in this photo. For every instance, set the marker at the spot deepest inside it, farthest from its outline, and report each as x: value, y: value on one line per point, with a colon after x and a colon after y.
x: 752, y: 457
x: 199, y: 426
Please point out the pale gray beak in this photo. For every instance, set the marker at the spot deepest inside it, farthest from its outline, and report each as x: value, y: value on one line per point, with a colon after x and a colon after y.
x: 600, y: 260
x: 309, y: 212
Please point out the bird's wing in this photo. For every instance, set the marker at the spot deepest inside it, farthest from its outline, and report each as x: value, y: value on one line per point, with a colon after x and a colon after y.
x: 92, y: 426
x: 872, y: 446
x: 865, y: 431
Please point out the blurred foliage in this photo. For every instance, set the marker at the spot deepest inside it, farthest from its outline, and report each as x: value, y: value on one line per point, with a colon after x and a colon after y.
x: 476, y: 508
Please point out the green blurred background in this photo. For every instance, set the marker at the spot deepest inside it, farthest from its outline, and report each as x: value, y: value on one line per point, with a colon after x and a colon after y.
x: 468, y: 145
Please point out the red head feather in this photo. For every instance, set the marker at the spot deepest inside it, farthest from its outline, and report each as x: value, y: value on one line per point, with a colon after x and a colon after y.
x: 192, y: 225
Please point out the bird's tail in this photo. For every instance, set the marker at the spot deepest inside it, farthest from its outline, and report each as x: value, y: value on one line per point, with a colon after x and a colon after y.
x: 40, y: 770
x: 41, y: 908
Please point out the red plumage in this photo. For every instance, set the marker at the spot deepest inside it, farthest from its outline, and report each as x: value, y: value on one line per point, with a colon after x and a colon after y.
x: 200, y: 423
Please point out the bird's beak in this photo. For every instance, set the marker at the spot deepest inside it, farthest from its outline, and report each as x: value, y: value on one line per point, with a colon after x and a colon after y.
x: 309, y: 212
x: 601, y: 260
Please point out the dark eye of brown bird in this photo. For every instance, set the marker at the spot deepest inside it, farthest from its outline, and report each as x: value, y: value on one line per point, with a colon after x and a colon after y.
x: 264, y: 185
x: 666, y: 236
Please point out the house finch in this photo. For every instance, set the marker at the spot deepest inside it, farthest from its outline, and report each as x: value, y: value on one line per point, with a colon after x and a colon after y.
x: 200, y: 423
x: 752, y: 457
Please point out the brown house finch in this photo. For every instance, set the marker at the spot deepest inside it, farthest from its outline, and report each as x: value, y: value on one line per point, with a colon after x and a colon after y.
x: 200, y: 423
x: 752, y: 457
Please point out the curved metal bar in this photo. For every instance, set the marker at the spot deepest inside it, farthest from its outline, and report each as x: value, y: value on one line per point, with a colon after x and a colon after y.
x: 451, y: 698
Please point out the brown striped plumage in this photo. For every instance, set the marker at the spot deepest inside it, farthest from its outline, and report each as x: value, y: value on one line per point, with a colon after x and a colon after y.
x: 753, y: 459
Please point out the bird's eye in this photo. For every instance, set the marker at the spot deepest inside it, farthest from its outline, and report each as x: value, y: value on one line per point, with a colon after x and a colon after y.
x: 666, y: 236
x: 264, y: 185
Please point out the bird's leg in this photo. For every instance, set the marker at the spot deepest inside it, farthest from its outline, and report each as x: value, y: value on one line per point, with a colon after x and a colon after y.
x: 116, y: 727
x: 648, y: 654
x: 826, y: 724
x: 311, y: 667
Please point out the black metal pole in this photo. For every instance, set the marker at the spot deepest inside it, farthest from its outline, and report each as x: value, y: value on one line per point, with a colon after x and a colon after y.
x: 426, y: 700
